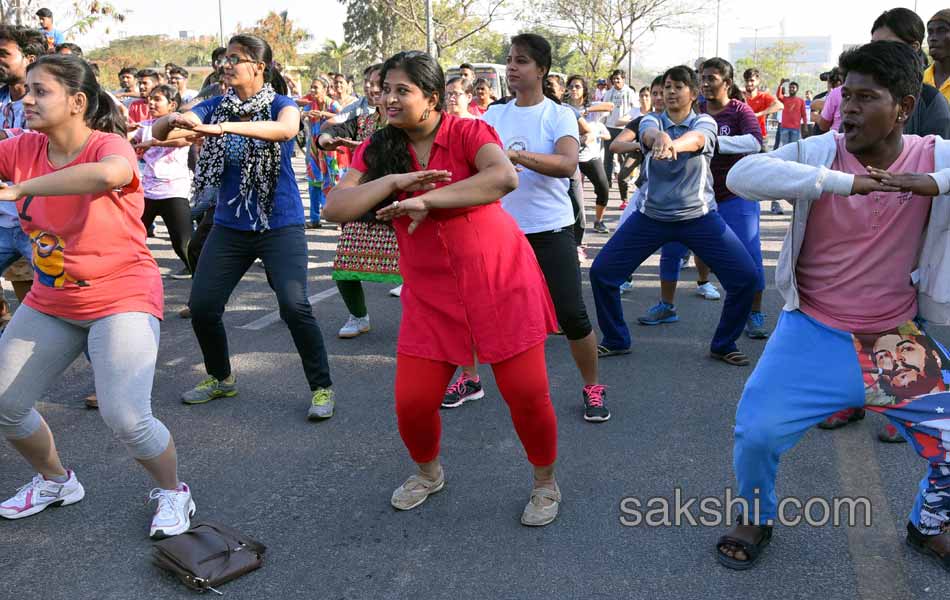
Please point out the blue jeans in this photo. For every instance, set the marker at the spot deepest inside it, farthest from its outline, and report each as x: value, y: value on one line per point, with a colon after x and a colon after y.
x: 226, y: 256
x: 788, y: 135
x: 708, y: 237
x: 317, y: 201
x: 14, y: 243
x: 742, y: 217
x: 810, y: 371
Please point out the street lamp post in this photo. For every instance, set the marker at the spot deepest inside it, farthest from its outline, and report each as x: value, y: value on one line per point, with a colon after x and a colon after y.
x: 717, y: 27
x: 220, y: 25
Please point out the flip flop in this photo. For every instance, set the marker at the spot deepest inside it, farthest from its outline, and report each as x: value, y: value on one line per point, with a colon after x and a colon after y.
x: 735, y: 358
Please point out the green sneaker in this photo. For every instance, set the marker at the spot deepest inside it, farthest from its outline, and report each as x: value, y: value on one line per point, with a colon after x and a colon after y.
x: 209, y: 389
x: 321, y: 406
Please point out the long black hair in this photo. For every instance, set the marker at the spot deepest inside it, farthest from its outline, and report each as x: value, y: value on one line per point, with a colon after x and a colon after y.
x: 585, y: 98
x: 76, y: 75
x: 728, y: 73
x: 539, y: 49
x: 907, y: 26
x: 259, y: 50
x: 685, y: 75
x: 387, y: 152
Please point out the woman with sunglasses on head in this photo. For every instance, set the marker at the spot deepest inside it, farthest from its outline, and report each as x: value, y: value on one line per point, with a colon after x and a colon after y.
x: 472, y: 283
x: 249, y: 138
x: 75, y: 182
x: 541, y: 138
x: 593, y: 134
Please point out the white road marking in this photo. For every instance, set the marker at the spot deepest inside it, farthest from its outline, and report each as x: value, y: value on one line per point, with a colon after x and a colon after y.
x: 273, y: 317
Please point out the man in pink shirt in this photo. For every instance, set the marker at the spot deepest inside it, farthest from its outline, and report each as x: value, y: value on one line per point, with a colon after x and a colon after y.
x: 848, y: 338
x: 830, y: 118
x: 793, y: 113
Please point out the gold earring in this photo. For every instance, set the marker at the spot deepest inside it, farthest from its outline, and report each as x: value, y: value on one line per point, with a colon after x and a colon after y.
x: 425, y: 114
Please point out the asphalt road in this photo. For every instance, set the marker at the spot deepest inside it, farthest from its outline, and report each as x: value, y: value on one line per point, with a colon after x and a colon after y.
x: 317, y: 494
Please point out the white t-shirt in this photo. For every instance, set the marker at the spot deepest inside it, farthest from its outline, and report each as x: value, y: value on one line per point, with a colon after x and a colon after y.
x: 623, y: 100
x: 540, y: 203
x: 595, y: 149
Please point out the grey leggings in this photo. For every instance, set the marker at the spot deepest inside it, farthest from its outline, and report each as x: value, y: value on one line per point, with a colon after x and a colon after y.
x: 36, y: 348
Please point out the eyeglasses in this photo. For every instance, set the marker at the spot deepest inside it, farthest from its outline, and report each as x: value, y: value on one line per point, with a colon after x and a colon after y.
x: 233, y: 61
x: 454, y: 94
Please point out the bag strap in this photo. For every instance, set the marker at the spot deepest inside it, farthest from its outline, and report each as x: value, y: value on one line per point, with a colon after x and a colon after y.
x: 237, y: 536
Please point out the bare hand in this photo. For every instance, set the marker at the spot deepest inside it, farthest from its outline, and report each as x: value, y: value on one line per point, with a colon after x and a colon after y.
x: 180, y: 121
x: 663, y: 147
x: 919, y: 184
x: 415, y: 208
x: 142, y: 146
x: 335, y: 142
x: 867, y: 184
x: 9, y: 193
x: 419, y: 181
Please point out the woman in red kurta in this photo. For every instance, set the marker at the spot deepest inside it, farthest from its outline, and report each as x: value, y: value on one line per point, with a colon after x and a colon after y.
x: 473, y: 284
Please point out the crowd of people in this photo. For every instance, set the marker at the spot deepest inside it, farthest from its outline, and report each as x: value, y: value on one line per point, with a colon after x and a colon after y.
x: 472, y: 206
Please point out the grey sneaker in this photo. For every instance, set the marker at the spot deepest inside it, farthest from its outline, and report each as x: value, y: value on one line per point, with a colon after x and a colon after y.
x: 321, y: 406
x: 209, y: 389
x: 755, y: 326
x: 599, y: 227
x: 415, y: 490
x: 542, y: 507
x: 776, y: 208
x: 659, y: 313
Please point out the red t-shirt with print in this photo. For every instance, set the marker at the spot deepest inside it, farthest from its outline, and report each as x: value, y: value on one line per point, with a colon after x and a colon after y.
x: 90, y: 259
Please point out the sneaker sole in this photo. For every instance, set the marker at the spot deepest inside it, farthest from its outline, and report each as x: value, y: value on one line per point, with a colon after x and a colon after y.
x: 476, y: 396
x: 434, y: 490
x: 350, y: 336
x: 597, y: 419
x: 705, y: 297
x: 66, y: 501
x: 757, y: 336
x: 161, y: 534
x: 841, y: 423
x: 315, y: 417
x: 672, y: 319
x: 210, y: 398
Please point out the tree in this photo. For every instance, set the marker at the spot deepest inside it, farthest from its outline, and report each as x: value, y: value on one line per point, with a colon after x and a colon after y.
x: 337, y: 53
x: 388, y: 26
x: 154, y: 51
x: 281, y: 33
x: 773, y: 62
x: 605, y: 31
x: 81, y: 16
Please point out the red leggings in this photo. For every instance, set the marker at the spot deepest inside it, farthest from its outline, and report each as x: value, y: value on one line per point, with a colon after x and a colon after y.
x: 523, y: 381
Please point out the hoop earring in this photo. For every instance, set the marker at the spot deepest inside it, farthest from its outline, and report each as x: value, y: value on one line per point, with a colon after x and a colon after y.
x: 425, y: 114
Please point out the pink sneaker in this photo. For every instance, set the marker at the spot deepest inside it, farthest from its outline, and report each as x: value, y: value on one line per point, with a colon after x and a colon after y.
x: 623, y: 205
x: 890, y: 435
x: 40, y: 494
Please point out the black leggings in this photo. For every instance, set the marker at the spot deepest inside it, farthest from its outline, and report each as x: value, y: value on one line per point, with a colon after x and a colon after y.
x: 576, y: 193
x: 557, y: 256
x: 593, y: 170
x: 176, y: 213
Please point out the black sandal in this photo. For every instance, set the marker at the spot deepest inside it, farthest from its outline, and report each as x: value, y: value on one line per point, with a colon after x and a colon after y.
x: 752, y: 549
x: 918, y: 541
x: 735, y: 358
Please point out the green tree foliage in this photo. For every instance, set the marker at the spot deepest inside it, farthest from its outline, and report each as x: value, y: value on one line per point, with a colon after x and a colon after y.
x: 281, y: 32
x: 81, y: 16
x: 154, y: 51
x: 774, y: 62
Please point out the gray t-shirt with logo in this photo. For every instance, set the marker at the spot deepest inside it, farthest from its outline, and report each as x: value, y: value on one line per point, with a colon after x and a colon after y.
x: 680, y: 189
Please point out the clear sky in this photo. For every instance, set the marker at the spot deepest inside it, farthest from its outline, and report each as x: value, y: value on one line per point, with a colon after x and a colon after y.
x: 847, y: 21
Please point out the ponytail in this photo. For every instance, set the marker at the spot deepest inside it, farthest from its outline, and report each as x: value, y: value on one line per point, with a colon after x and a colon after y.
x: 258, y: 49
x: 77, y: 76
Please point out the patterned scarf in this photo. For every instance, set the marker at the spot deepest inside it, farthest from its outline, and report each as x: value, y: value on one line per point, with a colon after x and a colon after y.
x: 261, y: 161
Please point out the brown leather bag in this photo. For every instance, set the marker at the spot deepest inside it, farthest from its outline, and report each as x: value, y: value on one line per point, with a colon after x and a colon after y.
x: 208, y: 555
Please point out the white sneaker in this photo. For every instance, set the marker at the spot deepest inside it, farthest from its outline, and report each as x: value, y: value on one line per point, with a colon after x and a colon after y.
x: 174, y: 512
x: 708, y: 291
x: 40, y: 494
x: 354, y: 327
x: 396, y: 292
